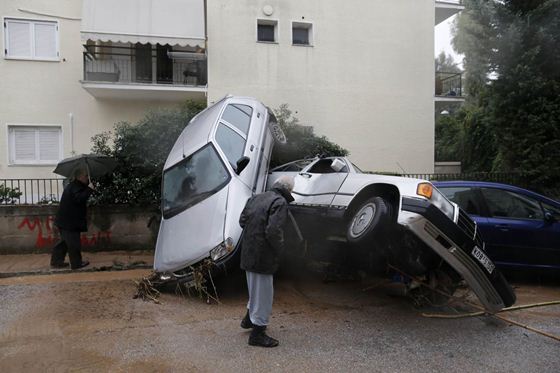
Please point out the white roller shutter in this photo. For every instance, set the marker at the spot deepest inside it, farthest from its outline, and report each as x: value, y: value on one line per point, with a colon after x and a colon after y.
x: 18, y: 39
x: 45, y: 40
x: 49, y: 144
x: 24, y: 143
x: 35, y: 145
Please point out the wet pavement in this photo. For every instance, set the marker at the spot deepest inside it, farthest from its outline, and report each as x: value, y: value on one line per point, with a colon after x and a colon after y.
x: 89, y: 322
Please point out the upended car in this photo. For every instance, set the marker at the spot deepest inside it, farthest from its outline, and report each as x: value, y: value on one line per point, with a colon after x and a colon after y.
x: 222, y: 158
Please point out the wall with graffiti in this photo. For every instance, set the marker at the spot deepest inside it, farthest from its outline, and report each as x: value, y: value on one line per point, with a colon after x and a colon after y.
x: 31, y: 229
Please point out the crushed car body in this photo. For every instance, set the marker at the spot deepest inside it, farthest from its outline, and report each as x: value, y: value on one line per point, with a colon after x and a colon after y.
x: 222, y: 158
x: 411, y: 216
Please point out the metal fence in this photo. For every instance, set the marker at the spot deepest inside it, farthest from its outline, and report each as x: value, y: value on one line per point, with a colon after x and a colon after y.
x: 514, y: 178
x: 449, y: 84
x: 30, y: 191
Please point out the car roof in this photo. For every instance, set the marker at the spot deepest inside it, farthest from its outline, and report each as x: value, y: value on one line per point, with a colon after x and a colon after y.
x: 489, y: 184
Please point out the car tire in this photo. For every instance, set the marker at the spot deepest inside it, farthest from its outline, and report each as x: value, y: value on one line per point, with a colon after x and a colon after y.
x: 369, y: 218
x: 277, y: 133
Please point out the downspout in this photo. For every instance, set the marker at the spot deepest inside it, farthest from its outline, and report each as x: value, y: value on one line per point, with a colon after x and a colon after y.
x: 71, y: 117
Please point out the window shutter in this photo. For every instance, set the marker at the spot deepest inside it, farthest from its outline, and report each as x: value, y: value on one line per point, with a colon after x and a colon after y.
x: 49, y: 144
x: 45, y: 40
x: 24, y: 144
x: 19, y: 39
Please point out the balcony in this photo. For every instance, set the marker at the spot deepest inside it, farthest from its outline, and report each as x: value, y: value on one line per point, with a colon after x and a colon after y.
x: 449, y: 86
x: 446, y: 9
x: 144, y: 72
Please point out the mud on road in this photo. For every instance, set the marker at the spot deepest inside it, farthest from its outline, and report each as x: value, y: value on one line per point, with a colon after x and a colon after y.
x: 89, y: 322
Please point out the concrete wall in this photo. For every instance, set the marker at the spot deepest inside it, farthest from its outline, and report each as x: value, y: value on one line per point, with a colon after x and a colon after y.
x: 41, y: 92
x: 367, y: 82
x: 30, y: 229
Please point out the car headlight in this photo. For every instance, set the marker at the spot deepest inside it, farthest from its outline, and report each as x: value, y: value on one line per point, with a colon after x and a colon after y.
x: 222, y: 249
x: 427, y: 190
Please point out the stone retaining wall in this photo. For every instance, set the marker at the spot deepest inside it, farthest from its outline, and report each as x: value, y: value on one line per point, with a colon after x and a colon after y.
x: 30, y: 228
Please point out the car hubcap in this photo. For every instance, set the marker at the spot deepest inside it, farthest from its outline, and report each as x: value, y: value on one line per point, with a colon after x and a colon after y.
x: 362, y: 220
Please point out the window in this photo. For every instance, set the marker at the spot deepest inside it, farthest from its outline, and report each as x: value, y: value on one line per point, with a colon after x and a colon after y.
x: 239, y: 116
x: 302, y: 33
x: 33, y: 40
x: 231, y: 143
x: 35, y: 145
x: 502, y: 203
x: 192, y: 180
x: 267, y: 30
x: 465, y: 197
x: 552, y: 210
x: 324, y: 166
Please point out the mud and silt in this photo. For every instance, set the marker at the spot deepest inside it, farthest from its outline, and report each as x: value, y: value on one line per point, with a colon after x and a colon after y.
x: 90, y: 322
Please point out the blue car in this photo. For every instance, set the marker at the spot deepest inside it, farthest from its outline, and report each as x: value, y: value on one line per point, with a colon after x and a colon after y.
x: 521, y: 228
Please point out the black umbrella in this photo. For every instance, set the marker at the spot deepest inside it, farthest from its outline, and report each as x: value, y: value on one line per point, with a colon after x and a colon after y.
x: 96, y: 165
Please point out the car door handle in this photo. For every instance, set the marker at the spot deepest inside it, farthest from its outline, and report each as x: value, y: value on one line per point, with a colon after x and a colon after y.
x: 502, y: 227
x: 306, y: 174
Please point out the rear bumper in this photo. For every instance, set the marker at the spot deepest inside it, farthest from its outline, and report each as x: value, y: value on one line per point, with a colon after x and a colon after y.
x: 456, y: 244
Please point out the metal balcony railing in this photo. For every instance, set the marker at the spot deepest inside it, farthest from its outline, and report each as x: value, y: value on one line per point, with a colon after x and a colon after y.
x: 144, y: 64
x: 449, y: 84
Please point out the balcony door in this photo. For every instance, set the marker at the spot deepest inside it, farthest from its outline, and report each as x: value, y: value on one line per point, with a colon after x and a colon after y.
x: 143, y: 62
x: 164, y: 65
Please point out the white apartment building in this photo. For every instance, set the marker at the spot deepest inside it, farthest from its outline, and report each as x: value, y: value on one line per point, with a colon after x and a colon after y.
x: 360, y: 72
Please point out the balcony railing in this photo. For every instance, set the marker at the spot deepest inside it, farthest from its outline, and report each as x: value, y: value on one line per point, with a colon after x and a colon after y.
x: 449, y: 84
x: 144, y: 65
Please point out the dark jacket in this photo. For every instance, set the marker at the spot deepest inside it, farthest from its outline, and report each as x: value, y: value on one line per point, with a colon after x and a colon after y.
x: 71, y: 215
x: 263, y: 220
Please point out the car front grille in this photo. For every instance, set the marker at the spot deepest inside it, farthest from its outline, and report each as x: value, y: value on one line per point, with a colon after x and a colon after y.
x: 470, y: 228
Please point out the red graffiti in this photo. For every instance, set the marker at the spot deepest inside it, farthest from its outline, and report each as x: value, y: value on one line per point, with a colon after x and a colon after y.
x: 47, y: 234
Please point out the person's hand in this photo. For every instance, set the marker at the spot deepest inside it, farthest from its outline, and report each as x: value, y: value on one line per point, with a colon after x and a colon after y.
x: 90, y: 186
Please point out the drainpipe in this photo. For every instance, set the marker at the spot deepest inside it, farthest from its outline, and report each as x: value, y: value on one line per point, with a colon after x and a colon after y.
x: 71, y: 117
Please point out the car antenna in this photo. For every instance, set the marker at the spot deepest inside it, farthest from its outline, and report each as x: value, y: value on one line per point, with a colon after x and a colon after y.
x: 183, y: 136
x: 401, y: 167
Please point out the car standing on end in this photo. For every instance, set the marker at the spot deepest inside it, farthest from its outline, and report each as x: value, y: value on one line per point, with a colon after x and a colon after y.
x: 220, y: 160
x: 521, y: 229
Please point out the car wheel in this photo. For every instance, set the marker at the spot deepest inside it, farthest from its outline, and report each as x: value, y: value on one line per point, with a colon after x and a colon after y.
x: 369, y: 218
x: 277, y: 133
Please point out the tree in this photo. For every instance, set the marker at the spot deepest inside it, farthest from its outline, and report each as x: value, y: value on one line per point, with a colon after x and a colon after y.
x: 141, y: 151
x: 511, y: 118
x: 302, y: 142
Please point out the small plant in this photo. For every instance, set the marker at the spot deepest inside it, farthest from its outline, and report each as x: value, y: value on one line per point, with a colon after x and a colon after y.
x: 9, y: 195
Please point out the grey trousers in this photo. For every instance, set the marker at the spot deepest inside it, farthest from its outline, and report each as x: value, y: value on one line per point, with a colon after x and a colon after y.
x: 261, y: 294
x: 69, y: 242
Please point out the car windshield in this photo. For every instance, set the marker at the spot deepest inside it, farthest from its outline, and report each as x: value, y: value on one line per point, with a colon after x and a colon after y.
x: 192, y: 180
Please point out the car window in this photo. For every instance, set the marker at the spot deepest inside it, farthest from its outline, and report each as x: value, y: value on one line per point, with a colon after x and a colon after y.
x: 192, y: 180
x: 553, y: 210
x: 239, y: 116
x: 502, y: 203
x: 323, y: 166
x: 465, y: 197
x: 231, y: 143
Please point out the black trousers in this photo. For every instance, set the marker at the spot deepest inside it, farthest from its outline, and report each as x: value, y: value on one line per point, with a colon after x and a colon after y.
x: 69, y: 242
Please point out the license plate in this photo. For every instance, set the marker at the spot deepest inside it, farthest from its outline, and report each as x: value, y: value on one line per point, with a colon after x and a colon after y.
x: 483, y: 259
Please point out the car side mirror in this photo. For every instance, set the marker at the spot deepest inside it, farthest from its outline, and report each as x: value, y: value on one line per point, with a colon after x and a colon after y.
x: 241, y: 164
x: 337, y: 165
x: 548, y: 217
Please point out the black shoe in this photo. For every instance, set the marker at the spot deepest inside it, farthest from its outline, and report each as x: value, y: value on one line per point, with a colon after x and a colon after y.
x: 246, y: 322
x: 60, y: 265
x: 82, y: 265
x: 259, y: 338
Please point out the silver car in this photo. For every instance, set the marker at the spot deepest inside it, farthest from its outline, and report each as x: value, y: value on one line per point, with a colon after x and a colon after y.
x: 418, y: 225
x: 220, y: 160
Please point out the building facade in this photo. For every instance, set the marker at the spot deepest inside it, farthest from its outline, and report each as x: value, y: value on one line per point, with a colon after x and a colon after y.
x: 362, y: 74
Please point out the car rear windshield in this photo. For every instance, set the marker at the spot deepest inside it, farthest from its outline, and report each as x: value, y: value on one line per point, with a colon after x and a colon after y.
x: 192, y: 180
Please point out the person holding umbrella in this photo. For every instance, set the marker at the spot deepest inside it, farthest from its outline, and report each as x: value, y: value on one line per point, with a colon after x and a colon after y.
x: 71, y: 220
x: 71, y: 217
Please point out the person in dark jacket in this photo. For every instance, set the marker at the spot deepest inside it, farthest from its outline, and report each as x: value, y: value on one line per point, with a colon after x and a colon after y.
x: 71, y: 220
x: 263, y: 220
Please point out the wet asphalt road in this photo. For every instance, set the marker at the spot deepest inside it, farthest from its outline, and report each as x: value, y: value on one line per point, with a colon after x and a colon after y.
x: 88, y: 322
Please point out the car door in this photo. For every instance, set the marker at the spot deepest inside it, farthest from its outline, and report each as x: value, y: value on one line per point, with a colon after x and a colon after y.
x: 319, y: 182
x: 516, y: 222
